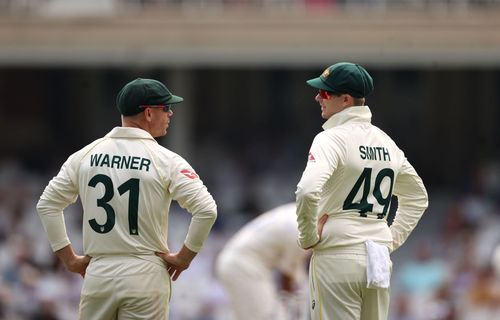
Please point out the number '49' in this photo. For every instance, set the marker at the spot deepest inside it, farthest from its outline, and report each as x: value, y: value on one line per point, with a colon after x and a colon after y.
x: 364, y: 181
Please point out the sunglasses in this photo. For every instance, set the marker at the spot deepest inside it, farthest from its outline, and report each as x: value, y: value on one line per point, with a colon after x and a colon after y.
x: 166, y: 107
x: 324, y: 94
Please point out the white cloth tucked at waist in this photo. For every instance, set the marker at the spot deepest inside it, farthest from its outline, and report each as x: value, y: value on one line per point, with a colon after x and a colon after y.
x: 378, y: 265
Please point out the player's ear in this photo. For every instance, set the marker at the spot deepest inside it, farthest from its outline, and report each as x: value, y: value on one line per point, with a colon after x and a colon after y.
x: 347, y: 99
x: 148, y: 114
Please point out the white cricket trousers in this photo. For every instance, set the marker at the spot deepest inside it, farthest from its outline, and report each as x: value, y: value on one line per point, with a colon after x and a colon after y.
x: 252, y: 292
x: 337, y: 283
x: 125, y: 288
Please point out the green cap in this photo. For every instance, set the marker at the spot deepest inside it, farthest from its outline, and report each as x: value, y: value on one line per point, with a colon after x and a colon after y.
x: 344, y: 77
x: 140, y: 92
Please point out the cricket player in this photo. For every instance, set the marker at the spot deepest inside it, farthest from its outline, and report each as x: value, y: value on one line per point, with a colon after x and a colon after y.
x: 126, y: 182
x: 248, y: 264
x: 343, y: 197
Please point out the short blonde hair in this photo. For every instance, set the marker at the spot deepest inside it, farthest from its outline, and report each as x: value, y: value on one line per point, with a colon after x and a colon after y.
x: 358, y: 101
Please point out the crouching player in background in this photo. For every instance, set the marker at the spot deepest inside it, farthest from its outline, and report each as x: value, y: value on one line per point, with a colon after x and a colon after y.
x: 263, y: 269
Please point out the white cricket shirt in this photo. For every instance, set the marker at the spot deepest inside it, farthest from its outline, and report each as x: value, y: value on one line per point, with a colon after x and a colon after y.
x: 353, y: 170
x: 270, y: 241
x: 126, y: 182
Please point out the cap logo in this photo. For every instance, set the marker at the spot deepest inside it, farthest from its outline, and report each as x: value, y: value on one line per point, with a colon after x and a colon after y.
x: 325, y: 73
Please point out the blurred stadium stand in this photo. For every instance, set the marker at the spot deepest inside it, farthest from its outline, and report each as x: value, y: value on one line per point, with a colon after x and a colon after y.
x: 247, y: 123
x: 270, y: 33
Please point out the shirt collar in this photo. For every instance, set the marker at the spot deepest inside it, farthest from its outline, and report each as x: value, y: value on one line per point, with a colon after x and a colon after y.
x: 351, y: 114
x: 130, y: 133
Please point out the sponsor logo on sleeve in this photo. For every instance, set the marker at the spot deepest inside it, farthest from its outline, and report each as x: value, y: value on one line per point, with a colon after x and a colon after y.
x: 189, y: 173
x: 310, y: 157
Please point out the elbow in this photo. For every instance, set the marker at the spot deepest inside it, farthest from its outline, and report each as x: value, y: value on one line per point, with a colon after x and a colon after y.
x: 424, y: 200
x: 425, y: 205
x: 212, y: 211
x: 419, y: 201
x: 303, y: 194
x: 424, y: 196
x: 41, y: 206
x: 213, y: 216
x: 208, y: 214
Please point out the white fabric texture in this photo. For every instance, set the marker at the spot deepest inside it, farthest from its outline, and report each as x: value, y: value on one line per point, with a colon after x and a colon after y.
x: 378, y: 265
x: 126, y: 155
x: 338, y: 158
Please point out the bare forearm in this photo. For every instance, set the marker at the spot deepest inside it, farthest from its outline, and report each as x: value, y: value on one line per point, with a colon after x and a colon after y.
x: 72, y: 261
x: 177, y: 262
x: 66, y: 255
x: 186, y: 255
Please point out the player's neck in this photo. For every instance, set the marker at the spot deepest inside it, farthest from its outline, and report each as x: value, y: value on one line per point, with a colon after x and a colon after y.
x: 132, y: 122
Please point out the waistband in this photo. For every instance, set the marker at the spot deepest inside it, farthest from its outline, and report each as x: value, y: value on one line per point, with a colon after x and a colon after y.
x: 350, y: 249
x: 127, y: 263
x: 127, y: 259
